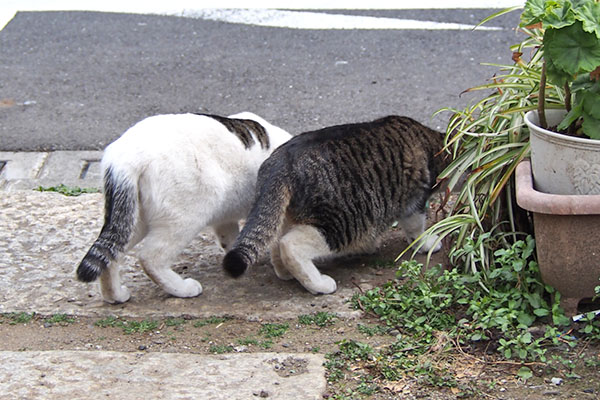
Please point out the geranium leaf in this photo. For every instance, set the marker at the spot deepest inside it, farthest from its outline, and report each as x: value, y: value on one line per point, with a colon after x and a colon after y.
x: 588, y: 12
x: 559, y: 17
x: 572, y: 50
x: 591, y: 126
x: 533, y: 12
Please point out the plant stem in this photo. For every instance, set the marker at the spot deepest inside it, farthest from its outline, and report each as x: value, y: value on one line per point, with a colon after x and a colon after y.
x: 567, y: 96
x: 542, y: 98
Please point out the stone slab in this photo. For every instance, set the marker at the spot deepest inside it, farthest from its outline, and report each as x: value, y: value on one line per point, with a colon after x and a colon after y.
x: 43, y: 237
x: 21, y: 170
x: 58, y: 375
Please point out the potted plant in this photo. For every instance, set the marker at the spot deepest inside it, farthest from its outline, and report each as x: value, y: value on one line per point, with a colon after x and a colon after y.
x: 565, y: 149
x: 490, y: 139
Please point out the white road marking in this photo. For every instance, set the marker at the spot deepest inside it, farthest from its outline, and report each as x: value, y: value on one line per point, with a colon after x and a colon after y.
x: 263, y: 12
x: 314, y: 20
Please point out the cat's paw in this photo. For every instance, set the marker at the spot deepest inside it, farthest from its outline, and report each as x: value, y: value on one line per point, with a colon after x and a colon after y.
x: 326, y: 285
x: 120, y: 296
x: 429, y: 243
x: 190, y: 288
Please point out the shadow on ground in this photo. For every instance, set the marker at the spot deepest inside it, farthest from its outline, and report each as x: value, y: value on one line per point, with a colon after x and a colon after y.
x: 45, y: 235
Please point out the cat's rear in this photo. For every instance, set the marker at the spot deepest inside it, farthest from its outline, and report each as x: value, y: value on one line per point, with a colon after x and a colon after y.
x: 165, y: 179
x: 336, y: 190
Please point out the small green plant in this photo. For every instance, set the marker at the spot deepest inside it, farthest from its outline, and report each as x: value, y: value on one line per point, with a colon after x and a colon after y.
x: 60, y: 319
x: 68, y: 190
x: 128, y: 326
x: 220, y: 348
x: 320, y: 319
x: 247, y: 342
x: 144, y: 326
x: 110, y: 321
x: 273, y: 330
x: 20, y: 318
x: 372, y: 330
x: 175, y: 322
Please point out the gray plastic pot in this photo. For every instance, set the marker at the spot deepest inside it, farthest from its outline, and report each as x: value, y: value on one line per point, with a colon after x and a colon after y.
x: 562, y: 164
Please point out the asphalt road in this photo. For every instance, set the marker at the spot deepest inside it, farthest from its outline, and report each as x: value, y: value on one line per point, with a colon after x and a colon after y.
x: 77, y: 80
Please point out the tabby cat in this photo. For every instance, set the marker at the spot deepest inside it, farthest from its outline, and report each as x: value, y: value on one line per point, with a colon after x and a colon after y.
x: 336, y: 190
x: 165, y: 179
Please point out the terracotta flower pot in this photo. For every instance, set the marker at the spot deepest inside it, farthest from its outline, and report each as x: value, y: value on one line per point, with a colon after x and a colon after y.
x: 567, y: 232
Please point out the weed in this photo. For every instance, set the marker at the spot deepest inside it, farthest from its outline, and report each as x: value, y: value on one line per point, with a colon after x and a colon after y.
x: 68, y: 190
x: 320, y: 319
x: 273, y: 330
x: 20, y: 318
x: 60, y: 319
x: 144, y: 326
x: 438, y: 311
x: 128, y: 326
x: 372, y: 330
x: 175, y: 322
x: 247, y: 341
x: 108, y: 322
x: 220, y: 348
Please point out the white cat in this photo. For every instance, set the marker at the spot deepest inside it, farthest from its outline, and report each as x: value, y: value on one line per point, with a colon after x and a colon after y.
x: 167, y: 178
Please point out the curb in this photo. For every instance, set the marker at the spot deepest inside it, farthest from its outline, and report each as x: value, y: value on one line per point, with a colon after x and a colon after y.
x: 29, y: 170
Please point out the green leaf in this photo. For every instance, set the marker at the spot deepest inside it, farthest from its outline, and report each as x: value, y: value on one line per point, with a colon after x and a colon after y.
x: 555, y: 74
x: 588, y: 12
x: 522, y: 354
x: 571, y: 49
x: 591, y: 126
x: 591, y: 103
x: 525, y: 319
x: 571, y: 117
x: 524, y: 373
x: 541, y: 312
x: 559, y: 17
x: 533, y: 12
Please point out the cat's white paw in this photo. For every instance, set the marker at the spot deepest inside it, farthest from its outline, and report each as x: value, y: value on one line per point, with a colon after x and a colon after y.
x: 429, y: 243
x: 120, y: 296
x: 326, y: 285
x: 190, y: 288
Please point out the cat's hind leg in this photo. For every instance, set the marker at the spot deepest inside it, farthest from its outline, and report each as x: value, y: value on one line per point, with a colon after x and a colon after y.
x: 110, y: 281
x: 110, y: 284
x: 414, y: 226
x: 159, y: 249
x: 298, y: 248
x: 227, y: 233
x: 280, y: 269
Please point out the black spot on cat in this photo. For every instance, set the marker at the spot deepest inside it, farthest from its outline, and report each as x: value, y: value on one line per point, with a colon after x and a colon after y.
x: 246, y: 130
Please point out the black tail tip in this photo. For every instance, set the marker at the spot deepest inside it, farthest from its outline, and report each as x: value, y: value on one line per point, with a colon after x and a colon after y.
x: 234, y: 263
x: 86, y: 272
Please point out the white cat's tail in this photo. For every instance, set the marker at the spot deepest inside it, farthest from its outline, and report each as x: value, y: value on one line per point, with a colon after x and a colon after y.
x: 120, y: 211
x: 262, y: 227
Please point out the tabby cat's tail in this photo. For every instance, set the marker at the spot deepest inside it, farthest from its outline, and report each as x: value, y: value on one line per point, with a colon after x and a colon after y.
x: 262, y: 227
x: 120, y: 211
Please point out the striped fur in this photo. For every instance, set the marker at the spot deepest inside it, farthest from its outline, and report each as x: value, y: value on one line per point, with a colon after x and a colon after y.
x: 348, y: 183
x: 120, y: 213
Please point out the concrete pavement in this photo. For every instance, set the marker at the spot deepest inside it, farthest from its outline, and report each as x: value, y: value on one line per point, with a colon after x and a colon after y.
x: 44, y: 235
